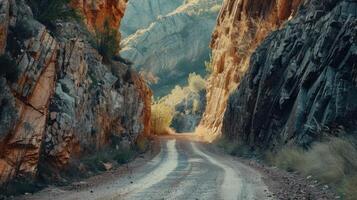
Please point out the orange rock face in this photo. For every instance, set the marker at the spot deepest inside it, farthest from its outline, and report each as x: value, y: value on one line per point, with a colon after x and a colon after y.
x: 4, y: 21
x: 96, y: 12
x: 241, y: 27
x: 21, y: 149
x: 145, y: 94
x: 66, y: 101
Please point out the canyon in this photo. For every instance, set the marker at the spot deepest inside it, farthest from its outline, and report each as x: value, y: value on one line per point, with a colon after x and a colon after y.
x: 78, y: 85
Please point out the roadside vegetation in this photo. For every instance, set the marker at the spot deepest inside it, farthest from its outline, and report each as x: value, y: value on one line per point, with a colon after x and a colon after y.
x: 163, y: 110
x: 235, y: 148
x: 161, y: 118
x: 333, y: 162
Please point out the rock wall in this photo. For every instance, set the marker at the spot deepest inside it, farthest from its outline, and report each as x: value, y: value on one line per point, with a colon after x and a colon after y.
x: 65, y: 102
x: 96, y: 12
x: 300, y: 80
x: 241, y: 26
x: 4, y: 20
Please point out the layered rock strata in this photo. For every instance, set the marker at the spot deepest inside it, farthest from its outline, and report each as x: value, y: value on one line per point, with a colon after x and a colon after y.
x: 300, y: 84
x: 65, y: 102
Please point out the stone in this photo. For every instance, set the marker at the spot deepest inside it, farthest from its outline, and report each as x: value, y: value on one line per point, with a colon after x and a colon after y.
x: 241, y: 27
x: 315, y: 73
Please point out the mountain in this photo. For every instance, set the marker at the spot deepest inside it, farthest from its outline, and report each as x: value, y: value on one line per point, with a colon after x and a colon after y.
x: 169, y: 42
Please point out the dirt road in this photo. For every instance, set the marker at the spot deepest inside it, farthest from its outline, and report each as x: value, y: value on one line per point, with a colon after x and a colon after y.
x: 184, y: 169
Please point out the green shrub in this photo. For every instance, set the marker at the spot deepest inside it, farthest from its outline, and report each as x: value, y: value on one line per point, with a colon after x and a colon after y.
x: 8, y: 68
x: 124, y: 156
x: 235, y: 148
x: 106, y: 41
x: 48, y: 11
x: 95, y: 162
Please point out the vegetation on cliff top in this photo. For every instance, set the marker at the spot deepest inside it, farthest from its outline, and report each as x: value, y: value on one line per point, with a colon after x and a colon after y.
x: 106, y: 40
x: 48, y: 11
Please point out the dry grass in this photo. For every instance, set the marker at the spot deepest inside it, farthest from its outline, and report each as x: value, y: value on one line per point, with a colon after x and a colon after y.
x: 332, y: 162
x: 161, y: 118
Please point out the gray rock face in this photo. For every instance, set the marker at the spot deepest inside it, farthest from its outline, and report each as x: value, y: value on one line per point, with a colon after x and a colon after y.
x: 301, y: 79
x: 8, y: 113
x: 140, y: 14
x: 174, y: 44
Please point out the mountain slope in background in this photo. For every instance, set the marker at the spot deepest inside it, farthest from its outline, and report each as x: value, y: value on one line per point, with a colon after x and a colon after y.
x: 170, y: 45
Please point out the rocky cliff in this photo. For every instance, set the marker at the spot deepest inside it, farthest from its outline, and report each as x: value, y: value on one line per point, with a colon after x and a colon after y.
x: 170, y: 43
x: 301, y: 80
x: 64, y: 102
x: 140, y: 14
x: 241, y: 26
x: 96, y: 12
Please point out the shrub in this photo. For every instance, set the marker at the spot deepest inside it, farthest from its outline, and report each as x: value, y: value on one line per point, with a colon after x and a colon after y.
x: 142, y: 144
x: 161, y: 118
x: 235, y: 148
x: 8, y: 68
x: 48, y: 11
x: 106, y: 41
x: 196, y: 83
x: 333, y: 162
x: 124, y: 156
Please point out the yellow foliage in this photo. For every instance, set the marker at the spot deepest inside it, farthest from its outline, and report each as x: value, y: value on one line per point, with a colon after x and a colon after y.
x: 196, y: 83
x: 161, y: 118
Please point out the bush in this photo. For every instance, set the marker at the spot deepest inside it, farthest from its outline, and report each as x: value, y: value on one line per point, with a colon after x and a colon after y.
x: 95, y: 162
x: 142, y: 144
x: 8, y: 68
x: 196, y: 83
x: 106, y: 41
x: 161, y: 118
x: 332, y: 162
x: 235, y: 148
x: 48, y: 11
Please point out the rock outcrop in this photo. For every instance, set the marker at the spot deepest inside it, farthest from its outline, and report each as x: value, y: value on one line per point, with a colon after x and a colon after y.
x: 171, y: 44
x: 4, y: 23
x: 140, y: 14
x: 241, y: 27
x: 96, y: 12
x: 65, y: 101
x: 300, y: 81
